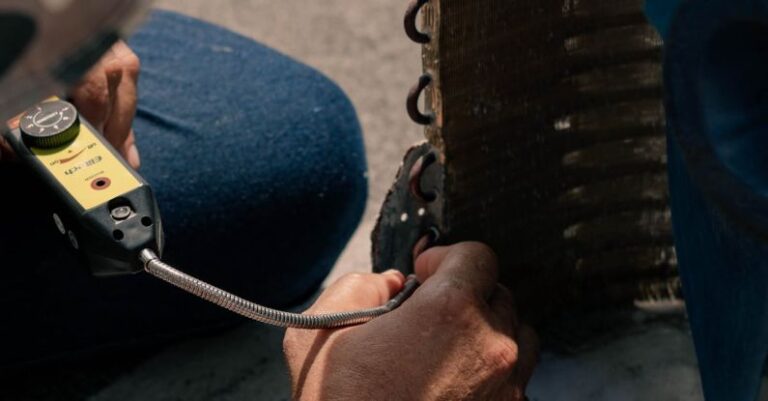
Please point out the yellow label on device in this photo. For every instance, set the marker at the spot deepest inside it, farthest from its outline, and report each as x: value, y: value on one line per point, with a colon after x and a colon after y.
x: 88, y: 170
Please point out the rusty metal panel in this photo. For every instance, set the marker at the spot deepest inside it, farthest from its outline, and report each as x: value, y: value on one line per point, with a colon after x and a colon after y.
x: 548, y: 119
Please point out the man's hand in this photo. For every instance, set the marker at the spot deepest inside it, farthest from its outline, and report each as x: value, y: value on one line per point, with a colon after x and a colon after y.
x: 107, y: 96
x: 456, y: 338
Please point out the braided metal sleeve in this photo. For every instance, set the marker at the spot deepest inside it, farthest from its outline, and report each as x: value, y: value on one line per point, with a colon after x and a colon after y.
x: 226, y: 300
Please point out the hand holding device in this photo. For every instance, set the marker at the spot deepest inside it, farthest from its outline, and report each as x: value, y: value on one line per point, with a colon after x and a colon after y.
x: 456, y: 338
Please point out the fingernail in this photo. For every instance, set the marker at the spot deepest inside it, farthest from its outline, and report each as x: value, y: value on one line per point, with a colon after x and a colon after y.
x: 394, y: 272
x: 133, y: 157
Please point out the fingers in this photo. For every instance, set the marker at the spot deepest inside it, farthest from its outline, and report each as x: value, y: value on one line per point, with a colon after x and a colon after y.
x: 470, y: 265
x: 528, y: 355
x: 503, y: 308
x: 359, y: 291
x: 107, y: 98
x: 474, y: 267
x: 130, y: 151
x: 427, y: 263
x: 117, y: 128
x: 92, y: 96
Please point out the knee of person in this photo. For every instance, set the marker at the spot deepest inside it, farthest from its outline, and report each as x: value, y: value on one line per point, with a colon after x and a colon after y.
x: 328, y: 108
x: 334, y: 152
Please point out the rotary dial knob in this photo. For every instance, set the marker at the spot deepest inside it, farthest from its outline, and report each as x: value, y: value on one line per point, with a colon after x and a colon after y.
x: 50, y: 124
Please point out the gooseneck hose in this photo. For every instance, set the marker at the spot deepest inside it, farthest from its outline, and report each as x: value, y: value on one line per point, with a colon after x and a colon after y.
x: 154, y: 266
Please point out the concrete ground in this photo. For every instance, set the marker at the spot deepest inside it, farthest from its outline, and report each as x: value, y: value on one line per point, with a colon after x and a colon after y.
x: 361, y: 45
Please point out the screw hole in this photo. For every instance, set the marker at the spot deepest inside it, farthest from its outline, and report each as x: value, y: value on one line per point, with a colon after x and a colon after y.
x: 118, y: 235
x: 146, y: 221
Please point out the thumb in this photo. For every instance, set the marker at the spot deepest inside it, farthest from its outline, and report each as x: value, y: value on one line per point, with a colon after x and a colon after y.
x: 130, y: 151
x: 359, y: 291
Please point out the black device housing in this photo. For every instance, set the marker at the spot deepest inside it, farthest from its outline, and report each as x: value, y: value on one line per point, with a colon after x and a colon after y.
x: 108, y: 246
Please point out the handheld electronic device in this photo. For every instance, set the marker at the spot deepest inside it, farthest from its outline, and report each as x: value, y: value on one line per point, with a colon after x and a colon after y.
x: 101, y: 206
x: 108, y: 213
x: 105, y: 209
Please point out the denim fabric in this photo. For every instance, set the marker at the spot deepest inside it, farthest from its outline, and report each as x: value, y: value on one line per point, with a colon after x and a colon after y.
x: 258, y: 165
x: 716, y: 55
x: 660, y: 13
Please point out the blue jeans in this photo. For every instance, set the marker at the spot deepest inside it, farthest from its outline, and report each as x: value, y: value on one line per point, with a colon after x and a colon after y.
x: 716, y: 57
x: 259, y: 169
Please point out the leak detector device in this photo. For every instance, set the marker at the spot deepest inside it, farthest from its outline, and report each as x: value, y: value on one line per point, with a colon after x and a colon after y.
x: 108, y: 213
x: 104, y: 209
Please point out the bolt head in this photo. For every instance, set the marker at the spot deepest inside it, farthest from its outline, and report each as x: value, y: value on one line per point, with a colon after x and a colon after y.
x: 121, y: 212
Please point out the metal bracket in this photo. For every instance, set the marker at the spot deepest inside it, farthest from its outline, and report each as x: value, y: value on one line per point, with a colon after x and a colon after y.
x: 412, y: 102
x: 411, y: 216
x: 410, y: 22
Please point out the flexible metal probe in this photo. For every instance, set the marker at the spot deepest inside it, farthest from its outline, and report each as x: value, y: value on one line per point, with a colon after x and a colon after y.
x: 110, y: 216
x: 263, y: 314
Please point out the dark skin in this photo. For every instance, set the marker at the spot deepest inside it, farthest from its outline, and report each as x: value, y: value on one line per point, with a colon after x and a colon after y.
x: 456, y: 338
